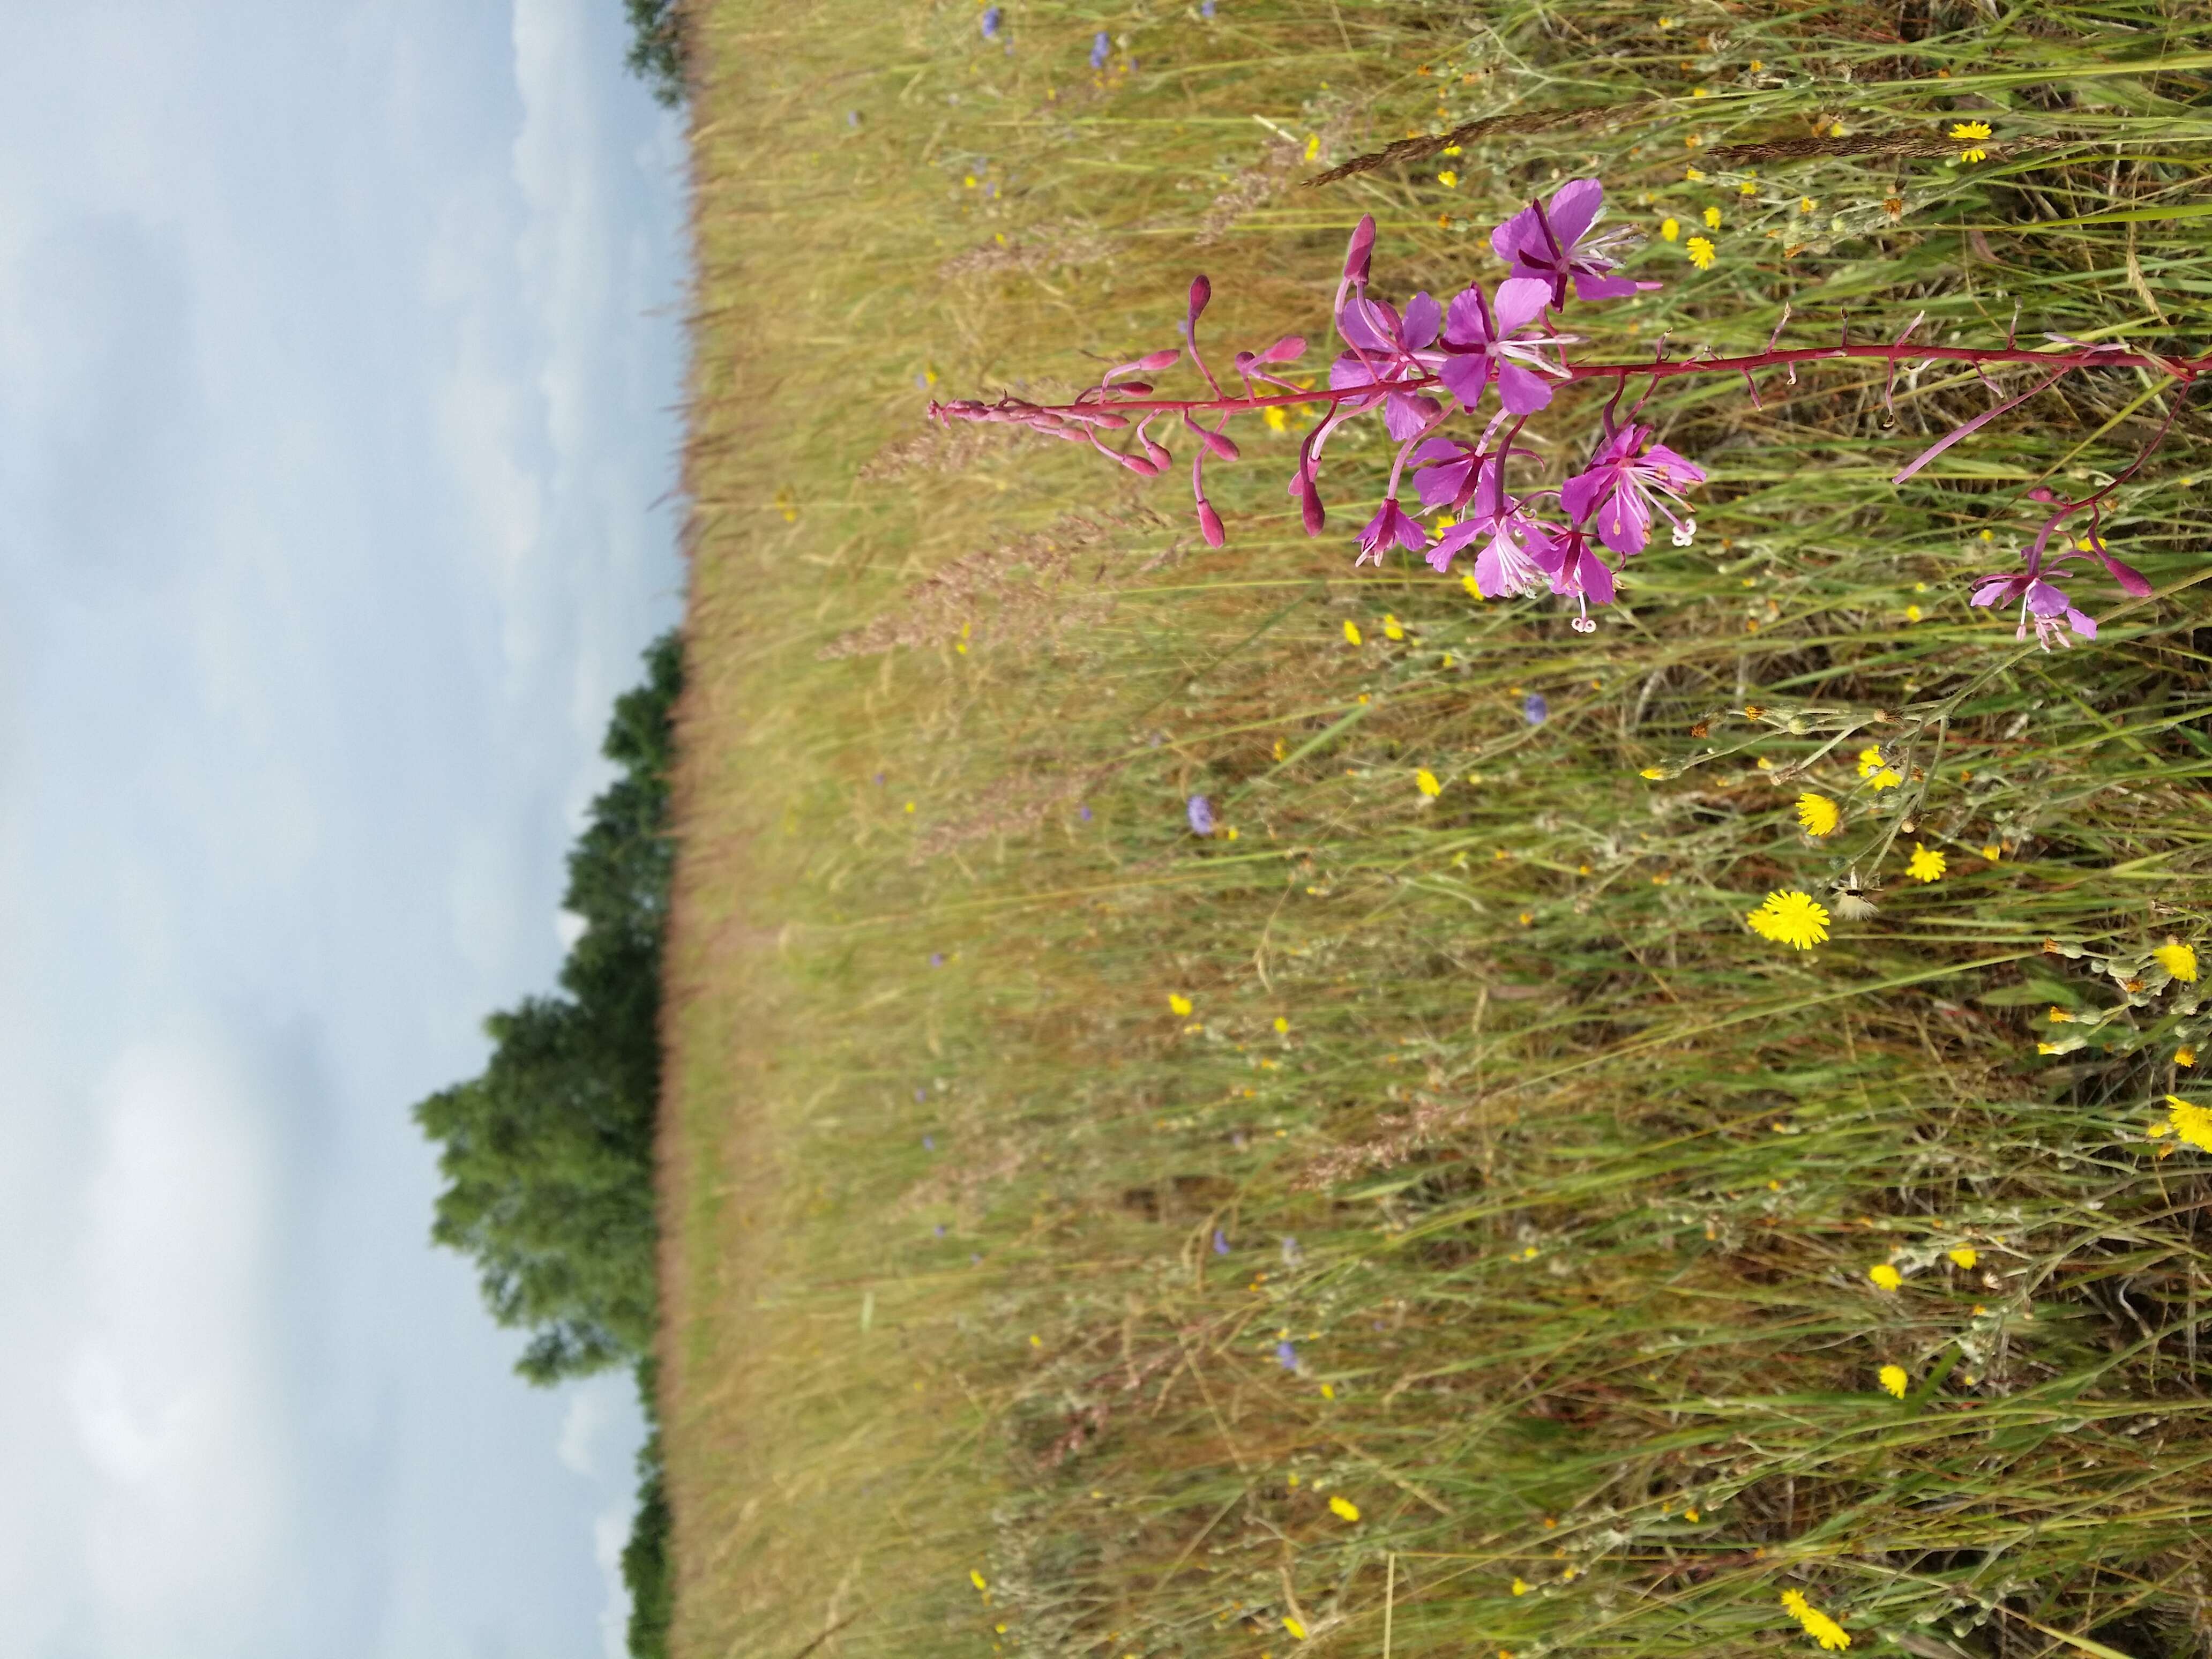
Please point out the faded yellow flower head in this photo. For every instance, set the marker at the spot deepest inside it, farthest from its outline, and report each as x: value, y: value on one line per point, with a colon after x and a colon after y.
x: 1885, y: 1276
x: 1892, y: 1379
x: 1344, y: 1509
x: 1817, y: 816
x: 2177, y: 959
x: 1826, y: 1632
x: 1178, y: 1004
x: 1701, y: 253
x: 1425, y: 780
x: 1924, y: 865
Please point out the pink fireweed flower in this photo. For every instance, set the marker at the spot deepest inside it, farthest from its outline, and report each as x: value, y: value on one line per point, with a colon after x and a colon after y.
x: 1384, y: 351
x: 1507, y: 565
x: 1389, y: 524
x: 2040, y: 603
x: 1627, y: 477
x: 1575, y: 570
x: 1552, y: 244
x: 1485, y: 341
x: 1448, y: 473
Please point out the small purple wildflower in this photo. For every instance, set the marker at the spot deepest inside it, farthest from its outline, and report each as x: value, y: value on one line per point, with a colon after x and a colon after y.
x: 1101, y: 49
x: 879, y: 779
x: 1220, y: 1242
x: 921, y: 1094
x: 852, y: 118
x: 939, y: 1229
x: 1488, y: 339
x: 1206, y: 10
x: 1576, y: 571
x: 1286, y: 1355
x: 992, y: 18
x: 929, y: 1143
x: 937, y: 959
x: 1536, y: 708
x: 1086, y: 813
x: 1200, y: 813
x: 1391, y: 524
x: 1291, y: 1253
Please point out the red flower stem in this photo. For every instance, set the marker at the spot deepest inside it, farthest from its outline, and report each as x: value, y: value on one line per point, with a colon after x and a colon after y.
x: 2185, y: 370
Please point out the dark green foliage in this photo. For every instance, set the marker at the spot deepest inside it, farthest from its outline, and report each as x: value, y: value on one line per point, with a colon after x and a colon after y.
x: 645, y: 1560
x: 656, y: 51
x: 548, y: 1156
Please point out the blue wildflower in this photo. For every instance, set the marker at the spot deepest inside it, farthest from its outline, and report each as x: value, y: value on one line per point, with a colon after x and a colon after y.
x: 1286, y: 1355
x: 1101, y: 49
x: 937, y: 959
x: 1206, y: 10
x: 1200, y: 811
x: 1220, y: 1242
x: 940, y: 1229
x: 992, y: 19
x: 921, y: 1094
x: 1536, y: 708
x: 1086, y: 815
x: 929, y: 1143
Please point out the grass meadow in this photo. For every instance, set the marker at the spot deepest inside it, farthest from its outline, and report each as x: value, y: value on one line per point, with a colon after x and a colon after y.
x: 1415, y: 1224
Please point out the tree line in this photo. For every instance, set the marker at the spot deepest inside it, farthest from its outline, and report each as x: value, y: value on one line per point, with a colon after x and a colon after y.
x: 547, y: 1155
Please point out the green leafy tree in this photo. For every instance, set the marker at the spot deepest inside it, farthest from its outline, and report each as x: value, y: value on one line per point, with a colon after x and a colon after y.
x: 656, y: 51
x: 548, y: 1155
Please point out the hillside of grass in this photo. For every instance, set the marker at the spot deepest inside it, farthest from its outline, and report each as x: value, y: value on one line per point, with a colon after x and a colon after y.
x: 1417, y: 1223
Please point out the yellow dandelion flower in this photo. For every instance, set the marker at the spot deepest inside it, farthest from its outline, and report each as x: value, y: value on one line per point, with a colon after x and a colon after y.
x: 1282, y: 1026
x: 1689, y: 1515
x: 1818, y: 815
x: 1520, y: 1587
x: 1885, y: 778
x: 1973, y: 153
x: 1924, y: 865
x: 1970, y: 129
x: 1350, y: 631
x: 1892, y: 1379
x: 2177, y: 959
x: 1807, y: 205
x: 2185, y: 1056
x: 977, y: 1579
x: 1669, y: 229
x: 1294, y: 1627
x: 1790, y: 918
x: 1448, y: 178
x: 1425, y: 781
x: 1832, y: 1636
x: 1912, y: 613
x: 1652, y: 772
x: 1327, y: 1391
x: 1887, y: 1277
x: 1700, y: 252
x: 1965, y: 1256
x: 2192, y: 1124
x: 1178, y: 1004
x: 1757, y: 68
x: 1991, y: 851
x: 1712, y: 218
x: 1344, y: 1509
x: 1870, y: 761
x: 1392, y: 628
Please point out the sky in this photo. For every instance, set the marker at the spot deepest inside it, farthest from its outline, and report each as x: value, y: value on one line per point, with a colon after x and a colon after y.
x: 339, y: 353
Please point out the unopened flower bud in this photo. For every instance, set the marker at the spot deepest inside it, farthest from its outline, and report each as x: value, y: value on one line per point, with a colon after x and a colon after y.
x: 1152, y: 362
x: 1360, y: 253
x: 1289, y: 348
x: 1209, y: 523
x: 1200, y: 292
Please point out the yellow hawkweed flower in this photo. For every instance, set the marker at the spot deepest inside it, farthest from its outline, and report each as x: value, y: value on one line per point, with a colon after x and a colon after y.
x: 1178, y: 1004
x: 1870, y: 761
x: 1790, y: 918
x: 1887, y: 1277
x: 1448, y: 178
x: 1818, y: 815
x: 1992, y: 852
x: 1344, y: 1509
x: 1807, y: 205
x: 2192, y: 1124
x: 1924, y: 865
x: 1700, y: 252
x: 1712, y: 218
x: 1294, y: 1627
x: 1392, y: 628
x: 1892, y: 1379
x: 977, y: 1579
x: 1425, y: 781
x: 1970, y: 131
x: 2185, y: 1056
x: 1350, y: 631
x: 1826, y: 1632
x: 2180, y: 960
x: 1467, y: 582
x: 1912, y: 613
x: 1520, y: 1587
x: 1282, y: 1026
x: 1965, y: 1256
x: 1652, y: 772
x: 1276, y: 420
x: 1669, y: 229
x: 1313, y: 146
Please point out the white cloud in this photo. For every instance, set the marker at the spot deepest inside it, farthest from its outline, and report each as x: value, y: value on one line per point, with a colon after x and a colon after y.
x: 609, y: 1532
x: 170, y: 1389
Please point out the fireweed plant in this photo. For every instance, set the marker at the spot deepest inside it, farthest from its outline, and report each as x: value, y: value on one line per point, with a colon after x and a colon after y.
x: 1421, y: 367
